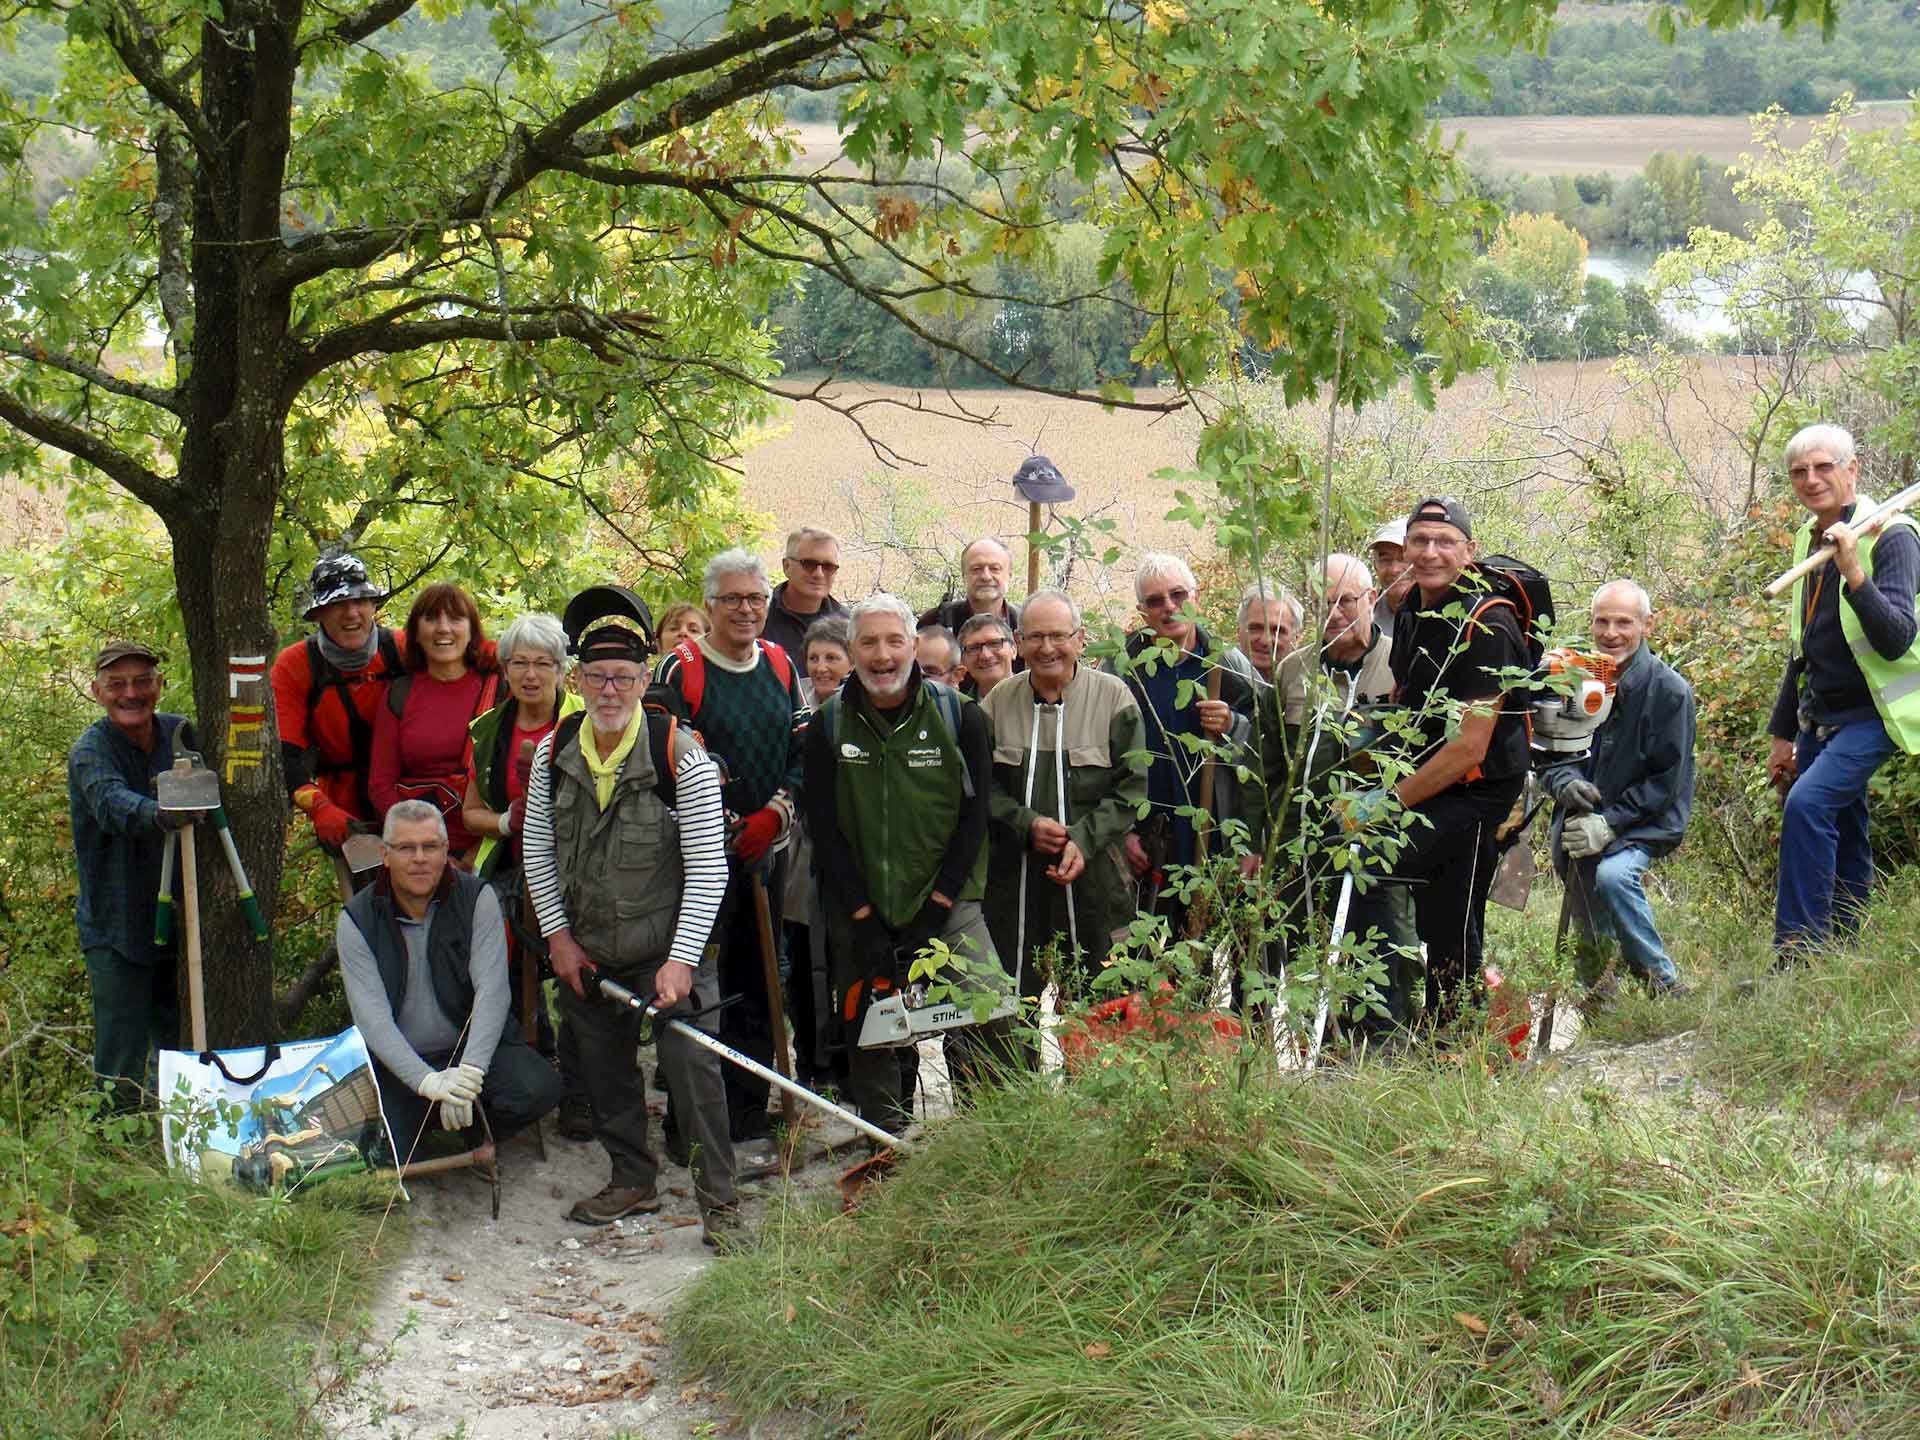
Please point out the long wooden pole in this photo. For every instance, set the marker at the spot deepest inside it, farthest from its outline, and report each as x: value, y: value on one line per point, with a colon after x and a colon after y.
x: 770, y: 960
x: 1865, y: 525
x: 190, y: 919
x: 1033, y: 546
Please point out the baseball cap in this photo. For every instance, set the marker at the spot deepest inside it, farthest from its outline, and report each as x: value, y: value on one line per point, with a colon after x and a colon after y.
x: 1394, y: 532
x: 122, y: 650
x: 1039, y: 481
x: 339, y: 577
x: 1443, y: 509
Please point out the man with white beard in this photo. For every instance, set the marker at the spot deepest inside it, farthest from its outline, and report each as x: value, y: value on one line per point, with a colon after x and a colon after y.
x: 898, y: 789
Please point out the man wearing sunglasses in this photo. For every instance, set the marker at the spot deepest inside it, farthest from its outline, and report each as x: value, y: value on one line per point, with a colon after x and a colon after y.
x: 119, y: 832
x: 812, y: 560
x: 1850, y: 696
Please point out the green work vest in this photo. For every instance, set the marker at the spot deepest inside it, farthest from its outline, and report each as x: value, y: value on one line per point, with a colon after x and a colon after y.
x: 899, y: 797
x: 1895, y: 683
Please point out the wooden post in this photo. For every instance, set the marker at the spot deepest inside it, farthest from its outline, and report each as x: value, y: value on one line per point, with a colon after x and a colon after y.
x: 190, y: 917
x: 1033, y: 547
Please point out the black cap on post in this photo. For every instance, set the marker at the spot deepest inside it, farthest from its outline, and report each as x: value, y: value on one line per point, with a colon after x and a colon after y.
x: 1040, y: 482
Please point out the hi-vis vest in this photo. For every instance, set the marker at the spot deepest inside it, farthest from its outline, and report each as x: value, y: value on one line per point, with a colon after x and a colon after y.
x: 1895, y: 684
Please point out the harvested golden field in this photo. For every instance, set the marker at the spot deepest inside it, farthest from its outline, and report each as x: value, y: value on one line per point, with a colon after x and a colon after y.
x: 903, y: 525
x: 1622, y: 144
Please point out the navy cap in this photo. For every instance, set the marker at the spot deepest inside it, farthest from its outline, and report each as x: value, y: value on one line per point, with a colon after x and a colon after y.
x: 1040, y: 482
x: 1444, y: 510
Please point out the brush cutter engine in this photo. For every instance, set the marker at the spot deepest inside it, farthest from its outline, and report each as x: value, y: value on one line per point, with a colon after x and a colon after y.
x: 1564, y: 719
x: 906, y: 1017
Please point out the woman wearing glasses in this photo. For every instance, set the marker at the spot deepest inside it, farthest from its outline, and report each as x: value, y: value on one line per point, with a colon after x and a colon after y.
x: 533, y: 653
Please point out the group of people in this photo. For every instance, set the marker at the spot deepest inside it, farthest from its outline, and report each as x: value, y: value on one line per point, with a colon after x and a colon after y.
x: 626, y: 800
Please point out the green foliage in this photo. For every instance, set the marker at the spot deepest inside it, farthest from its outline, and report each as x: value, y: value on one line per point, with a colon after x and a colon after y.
x: 1400, y: 1253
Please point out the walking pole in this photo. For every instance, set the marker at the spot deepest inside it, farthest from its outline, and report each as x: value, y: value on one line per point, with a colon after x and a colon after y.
x: 621, y: 995
x: 776, y: 1010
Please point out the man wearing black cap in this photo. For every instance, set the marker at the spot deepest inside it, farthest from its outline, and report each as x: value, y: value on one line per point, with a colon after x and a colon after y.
x: 625, y: 858
x: 327, y: 690
x: 1450, y: 646
x: 119, y: 832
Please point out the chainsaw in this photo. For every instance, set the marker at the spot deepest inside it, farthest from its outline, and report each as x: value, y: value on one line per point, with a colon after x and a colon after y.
x: 907, y: 1017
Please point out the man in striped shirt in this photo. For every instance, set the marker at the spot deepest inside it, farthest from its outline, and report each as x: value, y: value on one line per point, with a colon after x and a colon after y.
x: 627, y: 866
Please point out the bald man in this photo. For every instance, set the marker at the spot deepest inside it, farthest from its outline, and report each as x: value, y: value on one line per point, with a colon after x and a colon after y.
x: 1629, y: 801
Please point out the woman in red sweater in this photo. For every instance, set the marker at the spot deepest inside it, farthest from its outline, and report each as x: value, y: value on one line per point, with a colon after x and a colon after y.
x: 420, y: 749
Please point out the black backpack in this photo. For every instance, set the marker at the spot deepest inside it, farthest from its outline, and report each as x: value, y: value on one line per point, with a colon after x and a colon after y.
x: 661, y: 725
x: 1507, y: 581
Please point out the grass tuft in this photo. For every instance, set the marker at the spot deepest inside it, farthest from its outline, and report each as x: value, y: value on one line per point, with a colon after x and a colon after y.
x: 1406, y: 1251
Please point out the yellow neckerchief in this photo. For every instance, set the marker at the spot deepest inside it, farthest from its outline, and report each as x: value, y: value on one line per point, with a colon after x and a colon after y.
x: 606, y: 772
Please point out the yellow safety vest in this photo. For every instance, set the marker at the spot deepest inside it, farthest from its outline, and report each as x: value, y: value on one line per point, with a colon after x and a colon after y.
x: 1895, y: 684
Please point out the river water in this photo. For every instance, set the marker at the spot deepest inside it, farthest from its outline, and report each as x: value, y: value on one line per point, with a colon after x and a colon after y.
x: 1708, y: 316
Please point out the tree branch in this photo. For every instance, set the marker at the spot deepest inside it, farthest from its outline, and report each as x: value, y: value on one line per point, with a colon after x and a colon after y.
x: 530, y: 154
x: 132, y: 40
x: 155, y: 491
x: 168, y: 400
x: 599, y: 333
x: 355, y: 28
x: 172, y: 205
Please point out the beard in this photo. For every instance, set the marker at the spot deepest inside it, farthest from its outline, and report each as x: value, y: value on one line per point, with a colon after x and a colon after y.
x: 886, y: 687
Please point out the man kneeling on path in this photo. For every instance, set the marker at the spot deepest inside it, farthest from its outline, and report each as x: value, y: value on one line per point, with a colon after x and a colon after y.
x: 1629, y: 801
x: 423, y: 953
x: 898, y: 792
x: 624, y: 850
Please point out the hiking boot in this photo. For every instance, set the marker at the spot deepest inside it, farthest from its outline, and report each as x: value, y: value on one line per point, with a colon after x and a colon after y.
x: 755, y: 1160
x: 575, y: 1120
x: 1670, y: 990
x: 722, y: 1229
x: 613, y: 1202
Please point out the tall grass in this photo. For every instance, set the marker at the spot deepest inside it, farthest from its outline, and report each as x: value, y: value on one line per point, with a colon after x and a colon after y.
x: 1391, y: 1252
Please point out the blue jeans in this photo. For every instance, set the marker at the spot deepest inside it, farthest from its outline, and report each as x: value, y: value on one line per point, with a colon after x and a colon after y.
x: 1608, y: 902
x: 1826, y: 863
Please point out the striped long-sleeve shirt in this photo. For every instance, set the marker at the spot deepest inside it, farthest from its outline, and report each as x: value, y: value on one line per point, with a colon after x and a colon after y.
x: 703, y: 849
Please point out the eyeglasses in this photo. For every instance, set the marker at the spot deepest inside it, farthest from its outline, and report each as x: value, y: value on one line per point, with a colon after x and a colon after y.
x: 741, y: 602
x: 815, y: 567
x: 980, y: 647
x: 132, y: 684
x: 1173, y: 598
x: 1345, y: 602
x: 1823, y: 470
x: 601, y: 680
x: 520, y: 666
x: 411, y: 848
x: 1048, y: 637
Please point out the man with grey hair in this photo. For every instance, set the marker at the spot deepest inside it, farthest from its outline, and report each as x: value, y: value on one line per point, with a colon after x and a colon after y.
x: 626, y: 865
x: 1850, y: 696
x: 1065, y: 793
x: 1269, y: 626
x: 1628, y: 802
x: 938, y: 653
x: 897, y: 805
x: 811, y: 561
x: 1185, y: 694
x: 743, y: 696
x: 423, y: 955
x: 986, y: 566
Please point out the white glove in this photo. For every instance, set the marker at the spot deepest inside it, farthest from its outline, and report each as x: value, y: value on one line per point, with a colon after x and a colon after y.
x: 457, y: 1082
x: 1586, y: 835
x: 456, y: 1114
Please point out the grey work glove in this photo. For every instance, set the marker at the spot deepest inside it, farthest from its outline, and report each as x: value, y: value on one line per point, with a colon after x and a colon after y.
x: 1580, y: 797
x: 1586, y: 835
x: 455, y: 1083
x: 456, y: 1114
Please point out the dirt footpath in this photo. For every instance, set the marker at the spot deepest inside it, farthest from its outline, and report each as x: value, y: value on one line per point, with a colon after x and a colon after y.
x: 534, y: 1327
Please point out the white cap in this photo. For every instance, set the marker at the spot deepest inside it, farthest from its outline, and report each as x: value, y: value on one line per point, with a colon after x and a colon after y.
x: 1394, y: 532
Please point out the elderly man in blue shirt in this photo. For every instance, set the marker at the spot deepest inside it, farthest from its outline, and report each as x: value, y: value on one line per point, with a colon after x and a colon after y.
x: 119, y: 832
x: 1628, y: 803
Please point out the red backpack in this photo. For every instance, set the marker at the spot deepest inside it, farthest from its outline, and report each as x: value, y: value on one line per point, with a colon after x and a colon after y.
x: 693, y: 672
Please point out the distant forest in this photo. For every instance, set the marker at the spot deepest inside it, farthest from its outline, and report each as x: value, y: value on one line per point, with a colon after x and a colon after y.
x: 1606, y: 60
x: 1602, y: 60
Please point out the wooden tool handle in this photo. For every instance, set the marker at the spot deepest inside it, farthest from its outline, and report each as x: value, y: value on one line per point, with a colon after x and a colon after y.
x: 1864, y: 525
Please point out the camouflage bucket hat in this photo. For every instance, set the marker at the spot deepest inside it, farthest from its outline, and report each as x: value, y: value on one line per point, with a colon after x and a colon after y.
x: 339, y: 577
